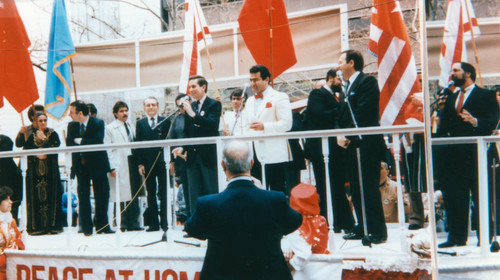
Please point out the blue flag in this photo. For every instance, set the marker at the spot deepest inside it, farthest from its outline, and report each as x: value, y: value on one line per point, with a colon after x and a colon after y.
x: 61, y: 50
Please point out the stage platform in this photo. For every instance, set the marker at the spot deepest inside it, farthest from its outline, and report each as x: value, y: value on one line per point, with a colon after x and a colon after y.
x: 70, y: 255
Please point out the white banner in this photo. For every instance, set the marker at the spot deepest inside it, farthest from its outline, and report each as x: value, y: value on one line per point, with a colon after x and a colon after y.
x: 38, y: 266
x: 26, y: 265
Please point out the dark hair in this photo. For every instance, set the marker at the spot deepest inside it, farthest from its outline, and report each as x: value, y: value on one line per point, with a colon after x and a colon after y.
x: 331, y: 73
x: 32, y: 109
x: 264, y: 72
x: 118, y: 105
x: 40, y: 114
x: 5, y: 192
x: 80, y: 106
x: 238, y: 93
x: 200, y: 80
x: 469, y: 68
x: 92, y: 109
x: 179, y: 96
x: 356, y: 57
x: 495, y: 88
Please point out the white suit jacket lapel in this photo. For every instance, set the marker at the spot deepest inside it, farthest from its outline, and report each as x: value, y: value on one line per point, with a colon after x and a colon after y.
x: 121, y: 129
x: 267, y: 98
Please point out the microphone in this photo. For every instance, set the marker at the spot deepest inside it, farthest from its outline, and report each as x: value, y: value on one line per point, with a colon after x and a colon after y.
x: 339, y: 74
x: 447, y: 90
x: 243, y: 100
x: 246, y: 86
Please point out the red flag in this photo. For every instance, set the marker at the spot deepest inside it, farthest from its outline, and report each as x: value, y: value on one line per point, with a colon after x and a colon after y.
x: 17, y: 80
x: 258, y: 30
x: 196, y: 34
x: 457, y: 30
x: 397, y: 71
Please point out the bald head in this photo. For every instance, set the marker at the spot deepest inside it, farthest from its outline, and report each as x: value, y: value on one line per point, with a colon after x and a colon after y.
x: 237, y: 157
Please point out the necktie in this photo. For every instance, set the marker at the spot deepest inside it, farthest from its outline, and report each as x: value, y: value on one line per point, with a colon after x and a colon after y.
x: 347, y: 86
x: 128, y: 131
x: 82, y: 130
x: 460, y: 104
x: 152, y: 122
x: 259, y: 96
x: 198, y: 106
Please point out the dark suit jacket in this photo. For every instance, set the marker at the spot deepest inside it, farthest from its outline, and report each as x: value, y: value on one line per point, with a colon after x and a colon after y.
x: 321, y: 114
x: 244, y: 226
x: 143, y: 132
x: 204, y: 124
x: 363, y: 96
x: 96, y: 162
x: 482, y: 105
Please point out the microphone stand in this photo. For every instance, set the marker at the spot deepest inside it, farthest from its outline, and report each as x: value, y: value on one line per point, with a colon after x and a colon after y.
x: 165, y: 119
x: 366, y: 240
x: 238, y: 115
x: 243, y: 101
x: 164, y: 235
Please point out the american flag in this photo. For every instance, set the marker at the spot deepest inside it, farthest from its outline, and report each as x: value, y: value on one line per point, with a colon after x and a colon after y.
x: 397, y: 71
x: 196, y: 34
x: 457, y: 31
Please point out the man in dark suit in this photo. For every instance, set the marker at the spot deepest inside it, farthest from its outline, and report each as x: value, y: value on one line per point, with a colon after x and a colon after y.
x: 87, y: 130
x: 471, y: 111
x: 322, y: 113
x: 152, y: 163
x: 360, y: 108
x: 202, y: 120
x: 248, y: 246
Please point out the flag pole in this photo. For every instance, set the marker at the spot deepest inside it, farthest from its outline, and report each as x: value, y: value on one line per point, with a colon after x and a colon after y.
x: 271, y: 40
x: 217, y: 94
x: 474, y: 43
x: 23, y: 125
x: 428, y: 140
x: 73, y: 77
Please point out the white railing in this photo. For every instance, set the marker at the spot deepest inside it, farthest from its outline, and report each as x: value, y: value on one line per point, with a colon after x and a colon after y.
x: 323, y: 134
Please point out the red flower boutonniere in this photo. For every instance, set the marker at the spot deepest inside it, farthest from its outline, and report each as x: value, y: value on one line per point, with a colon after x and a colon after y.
x: 269, y: 105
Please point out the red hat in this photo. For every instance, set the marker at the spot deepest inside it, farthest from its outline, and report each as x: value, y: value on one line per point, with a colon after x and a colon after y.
x: 304, y: 199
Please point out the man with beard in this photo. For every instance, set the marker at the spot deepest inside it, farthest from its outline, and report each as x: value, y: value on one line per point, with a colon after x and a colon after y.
x: 470, y: 111
x: 322, y: 113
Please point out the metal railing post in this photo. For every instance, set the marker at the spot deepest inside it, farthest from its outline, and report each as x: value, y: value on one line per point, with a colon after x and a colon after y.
x: 329, y: 203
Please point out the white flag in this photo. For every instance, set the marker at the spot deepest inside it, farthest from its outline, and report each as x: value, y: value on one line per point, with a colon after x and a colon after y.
x: 196, y: 33
x: 457, y: 31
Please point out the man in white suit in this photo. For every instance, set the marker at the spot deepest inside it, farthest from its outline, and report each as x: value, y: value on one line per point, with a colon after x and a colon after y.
x: 268, y: 112
x: 122, y: 160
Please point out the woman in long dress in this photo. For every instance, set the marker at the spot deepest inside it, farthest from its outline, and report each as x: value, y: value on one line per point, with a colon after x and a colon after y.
x: 10, y: 237
x: 43, y: 182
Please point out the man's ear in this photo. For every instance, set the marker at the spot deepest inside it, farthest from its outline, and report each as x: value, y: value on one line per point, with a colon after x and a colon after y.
x: 251, y: 164
x: 223, y: 166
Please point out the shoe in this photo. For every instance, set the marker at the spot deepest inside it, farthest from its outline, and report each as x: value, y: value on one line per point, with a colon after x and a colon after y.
x: 135, y: 229
x: 449, y: 244
x: 337, y: 229
x: 106, y: 231
x: 152, y: 229
x: 187, y: 235
x: 376, y: 239
x: 87, y: 233
x: 414, y: 226
x: 353, y: 236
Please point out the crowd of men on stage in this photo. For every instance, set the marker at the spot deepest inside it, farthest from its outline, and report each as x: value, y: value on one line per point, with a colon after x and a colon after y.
x: 348, y: 99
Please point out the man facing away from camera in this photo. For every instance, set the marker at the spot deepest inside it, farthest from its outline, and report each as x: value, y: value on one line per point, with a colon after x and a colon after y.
x: 243, y: 224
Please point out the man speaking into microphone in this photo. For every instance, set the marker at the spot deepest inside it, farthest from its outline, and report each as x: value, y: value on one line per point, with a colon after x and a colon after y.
x: 470, y: 111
